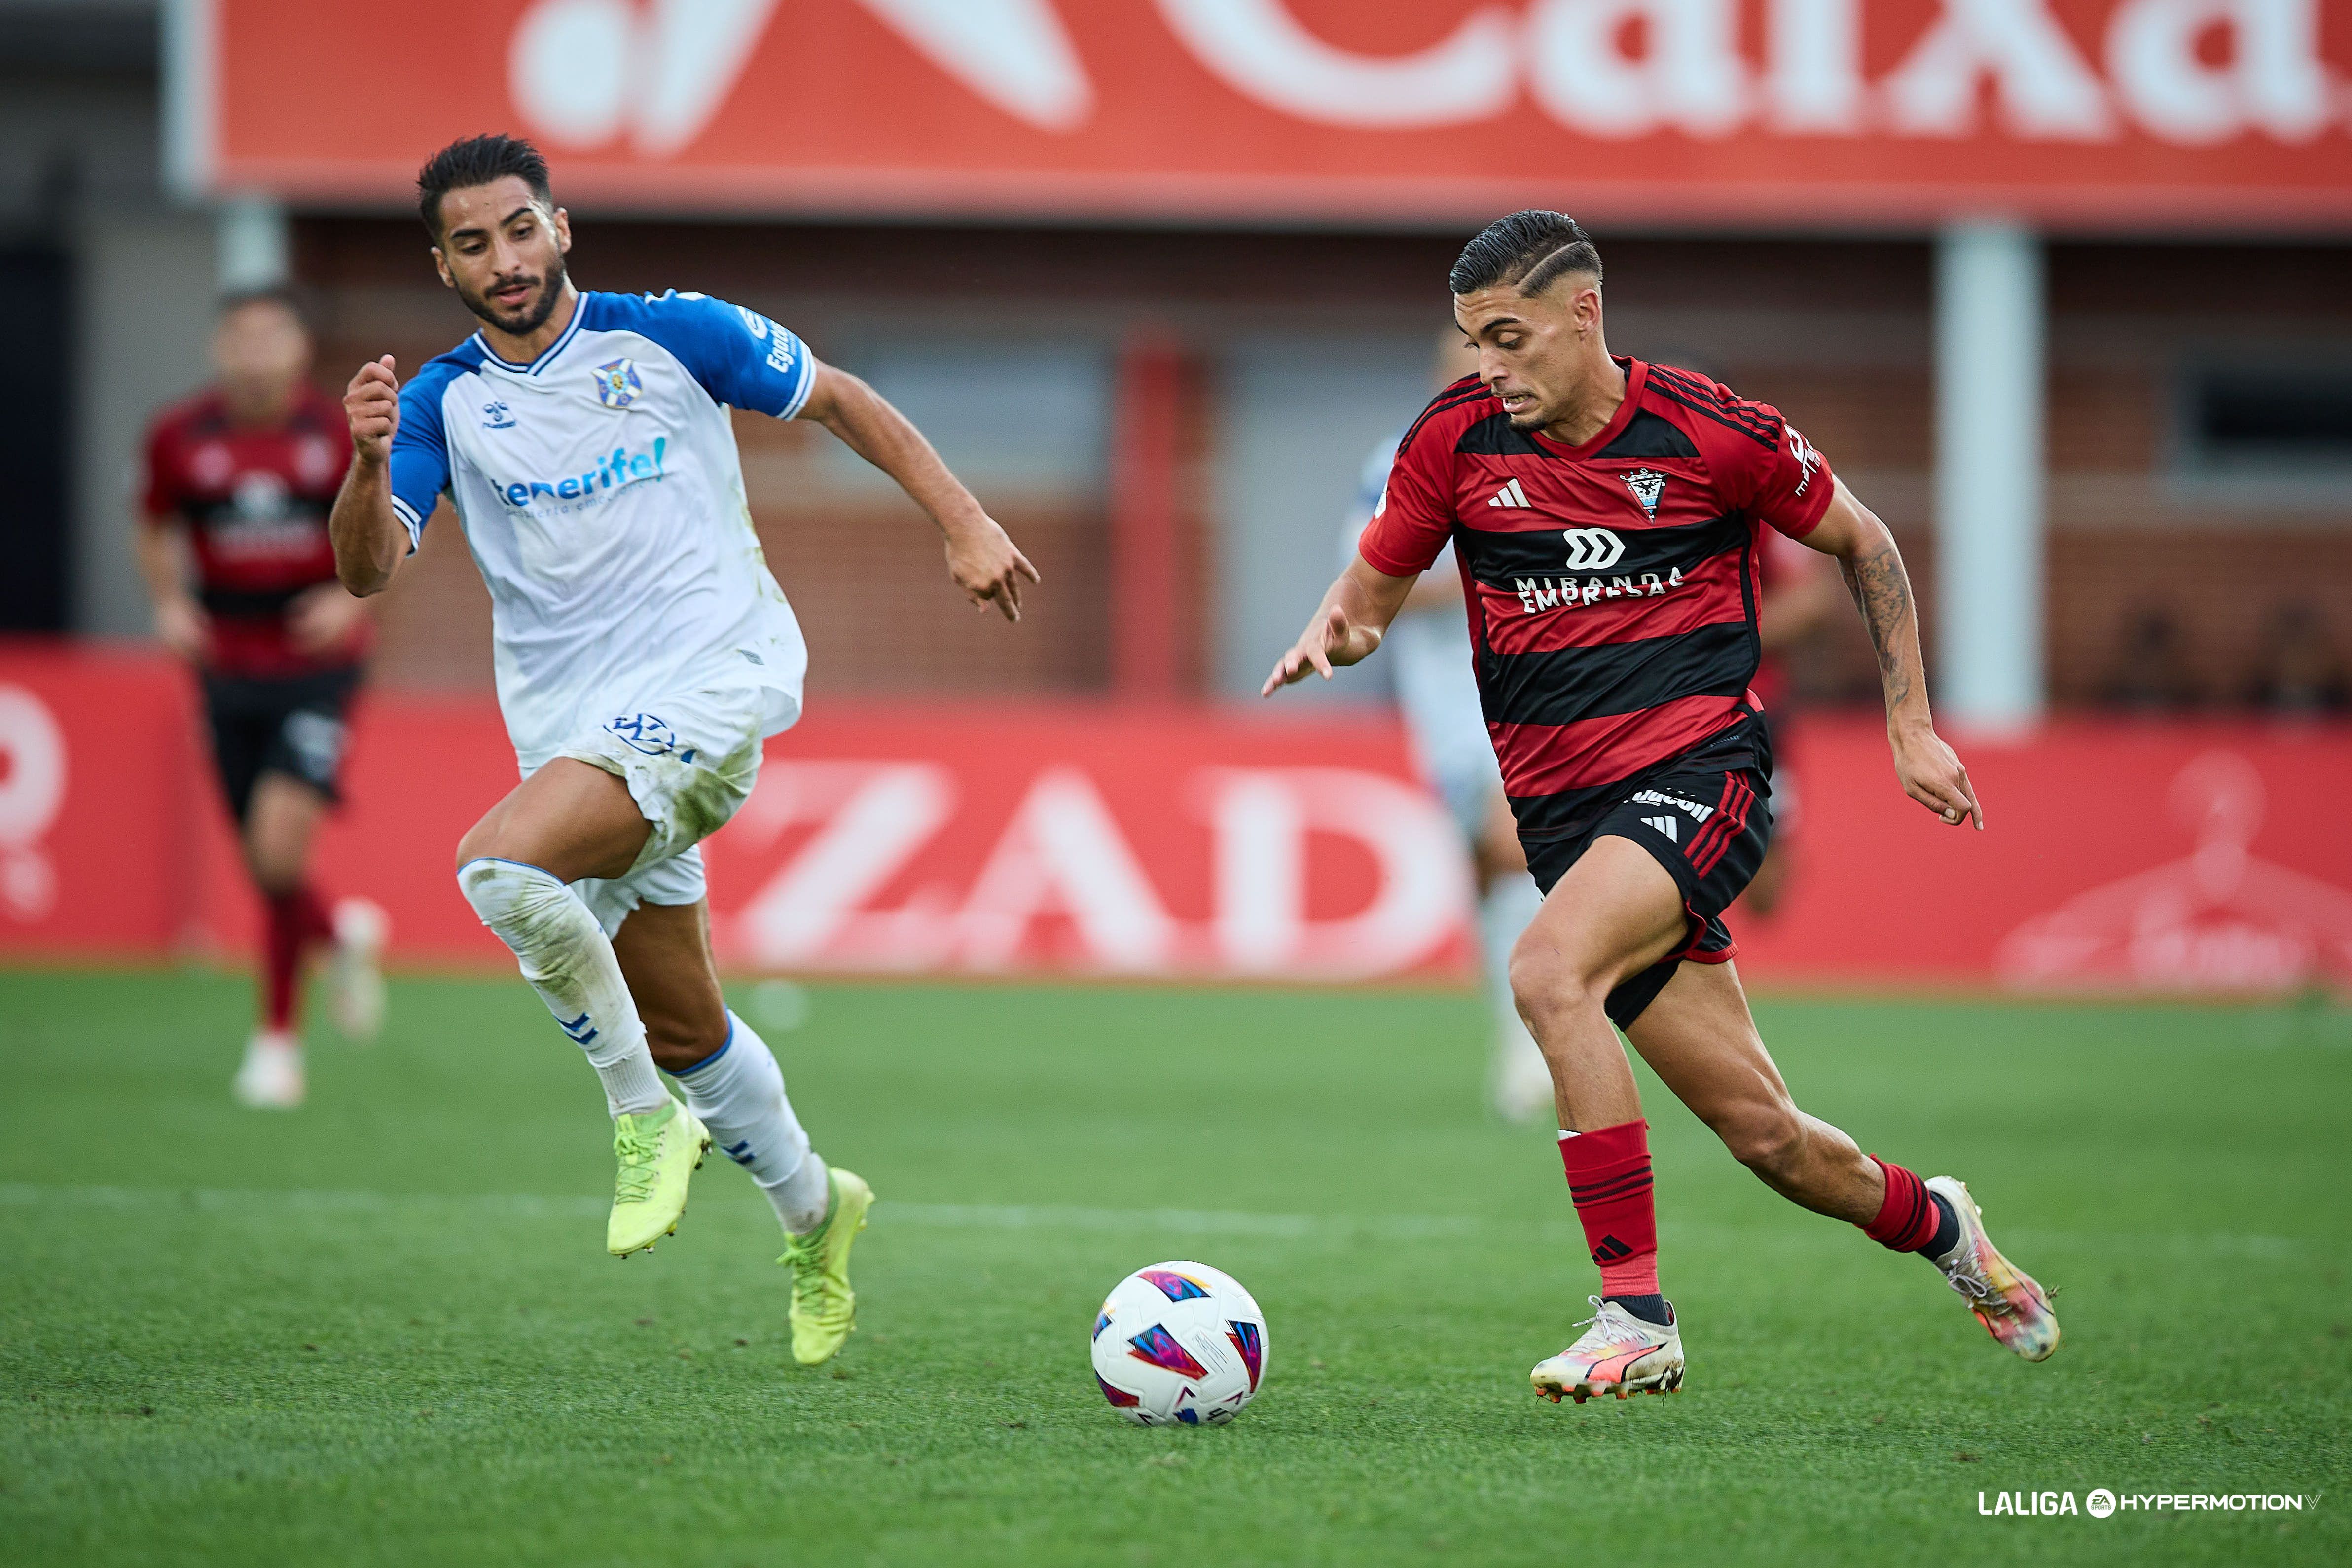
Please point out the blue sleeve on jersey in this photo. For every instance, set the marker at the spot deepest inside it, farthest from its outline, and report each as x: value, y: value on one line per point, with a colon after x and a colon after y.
x: 740, y: 357
x: 420, y: 453
x: 1371, y: 484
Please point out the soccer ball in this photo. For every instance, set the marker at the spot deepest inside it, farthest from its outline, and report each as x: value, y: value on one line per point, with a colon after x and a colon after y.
x: 1179, y: 1342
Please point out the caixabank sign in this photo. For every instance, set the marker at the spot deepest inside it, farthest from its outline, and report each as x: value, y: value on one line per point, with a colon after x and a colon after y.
x: 1786, y: 113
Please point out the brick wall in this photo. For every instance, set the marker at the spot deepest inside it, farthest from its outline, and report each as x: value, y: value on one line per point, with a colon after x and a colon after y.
x: 1837, y: 333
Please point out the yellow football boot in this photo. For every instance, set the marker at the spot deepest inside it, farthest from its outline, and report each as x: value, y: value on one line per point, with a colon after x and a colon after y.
x: 660, y: 1152
x: 824, y: 1309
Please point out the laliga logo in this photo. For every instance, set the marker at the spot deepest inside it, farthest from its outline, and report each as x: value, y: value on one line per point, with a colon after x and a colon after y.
x: 1593, y: 549
x: 32, y: 788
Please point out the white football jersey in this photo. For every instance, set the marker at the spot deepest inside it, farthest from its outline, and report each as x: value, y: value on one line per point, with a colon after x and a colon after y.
x: 602, y: 500
x: 1435, y: 672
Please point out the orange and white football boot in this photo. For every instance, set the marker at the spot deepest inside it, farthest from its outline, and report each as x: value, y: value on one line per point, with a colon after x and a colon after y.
x: 2013, y: 1309
x: 1617, y: 1354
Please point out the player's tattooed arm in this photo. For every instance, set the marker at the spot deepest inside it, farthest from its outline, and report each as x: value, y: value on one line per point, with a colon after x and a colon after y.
x: 1345, y: 628
x: 981, y: 556
x: 1930, y: 770
x: 1882, y: 591
x: 371, y: 541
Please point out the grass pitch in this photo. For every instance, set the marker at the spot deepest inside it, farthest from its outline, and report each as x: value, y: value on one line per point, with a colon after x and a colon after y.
x: 384, y: 1330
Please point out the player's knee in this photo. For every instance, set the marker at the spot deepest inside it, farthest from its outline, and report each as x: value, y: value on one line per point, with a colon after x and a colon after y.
x: 1545, y: 982
x: 512, y: 898
x: 273, y: 857
x: 479, y: 844
x: 273, y: 875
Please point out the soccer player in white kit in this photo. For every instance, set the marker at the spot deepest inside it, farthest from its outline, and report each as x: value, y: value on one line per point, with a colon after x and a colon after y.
x: 1446, y: 722
x: 643, y: 653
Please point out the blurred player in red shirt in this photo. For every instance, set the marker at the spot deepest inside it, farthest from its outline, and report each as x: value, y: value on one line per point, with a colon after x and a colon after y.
x: 1799, y: 592
x: 1607, y: 518
x: 239, y: 480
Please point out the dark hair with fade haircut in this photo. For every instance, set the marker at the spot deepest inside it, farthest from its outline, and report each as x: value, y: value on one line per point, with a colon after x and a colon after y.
x: 1528, y: 249
x: 476, y: 160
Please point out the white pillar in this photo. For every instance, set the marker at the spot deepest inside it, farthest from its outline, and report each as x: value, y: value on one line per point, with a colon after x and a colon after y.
x: 254, y: 243
x: 1987, y: 667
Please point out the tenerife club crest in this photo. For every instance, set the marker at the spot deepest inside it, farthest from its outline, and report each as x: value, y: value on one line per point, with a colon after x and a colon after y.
x: 617, y: 383
x: 1647, y: 485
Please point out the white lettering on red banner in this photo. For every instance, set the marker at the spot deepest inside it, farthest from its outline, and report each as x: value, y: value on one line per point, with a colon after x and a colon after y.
x: 2073, y: 107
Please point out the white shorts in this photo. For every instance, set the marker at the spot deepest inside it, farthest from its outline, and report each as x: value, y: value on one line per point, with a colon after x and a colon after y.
x: 1437, y: 692
x: 690, y: 762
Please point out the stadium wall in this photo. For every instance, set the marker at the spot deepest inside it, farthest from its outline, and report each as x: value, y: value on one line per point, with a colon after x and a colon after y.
x: 1300, y: 350
x: 1201, y: 842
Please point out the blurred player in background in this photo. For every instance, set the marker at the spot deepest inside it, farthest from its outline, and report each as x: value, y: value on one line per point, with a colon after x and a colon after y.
x: 1797, y: 592
x: 1438, y: 694
x: 238, y: 483
x: 1609, y: 512
x: 1797, y: 596
x: 643, y: 655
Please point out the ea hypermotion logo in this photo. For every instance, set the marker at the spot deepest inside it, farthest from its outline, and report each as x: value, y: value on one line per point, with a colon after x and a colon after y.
x: 1593, y: 549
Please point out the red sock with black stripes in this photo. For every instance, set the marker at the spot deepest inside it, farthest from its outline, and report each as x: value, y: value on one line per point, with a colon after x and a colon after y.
x: 1608, y: 1177
x: 1912, y: 1219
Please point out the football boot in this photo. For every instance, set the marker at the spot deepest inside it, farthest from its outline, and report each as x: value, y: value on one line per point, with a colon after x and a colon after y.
x: 2013, y: 1309
x: 1617, y: 1354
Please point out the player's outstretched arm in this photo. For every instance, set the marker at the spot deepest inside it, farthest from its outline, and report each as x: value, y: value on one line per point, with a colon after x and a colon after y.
x: 981, y: 555
x: 370, y: 540
x: 1929, y: 769
x: 1345, y: 627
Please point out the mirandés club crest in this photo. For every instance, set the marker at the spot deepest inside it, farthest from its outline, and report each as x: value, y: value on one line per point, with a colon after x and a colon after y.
x: 1647, y: 485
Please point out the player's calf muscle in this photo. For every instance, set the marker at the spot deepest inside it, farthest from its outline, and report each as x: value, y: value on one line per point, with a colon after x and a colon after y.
x: 665, y: 955
x: 1764, y: 1134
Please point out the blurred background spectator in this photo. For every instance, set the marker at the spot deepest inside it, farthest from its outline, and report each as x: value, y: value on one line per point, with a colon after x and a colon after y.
x: 2151, y: 670
x: 2299, y: 669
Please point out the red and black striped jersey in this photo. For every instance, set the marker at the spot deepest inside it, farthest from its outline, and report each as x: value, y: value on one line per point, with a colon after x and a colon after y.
x: 1613, y: 586
x: 255, y: 500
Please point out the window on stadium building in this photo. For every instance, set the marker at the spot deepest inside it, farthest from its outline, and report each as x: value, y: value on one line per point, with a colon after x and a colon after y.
x: 1030, y: 418
x: 2268, y: 422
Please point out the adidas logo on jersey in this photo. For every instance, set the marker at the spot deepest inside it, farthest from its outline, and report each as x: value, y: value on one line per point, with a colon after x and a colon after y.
x: 1509, y: 495
x: 1664, y: 825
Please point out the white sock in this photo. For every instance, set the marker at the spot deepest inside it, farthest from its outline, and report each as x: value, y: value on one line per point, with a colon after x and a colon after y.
x: 1503, y: 914
x: 566, y: 957
x: 739, y: 1094
x: 1521, y: 1077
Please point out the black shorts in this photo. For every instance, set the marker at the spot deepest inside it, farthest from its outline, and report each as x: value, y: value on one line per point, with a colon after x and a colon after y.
x: 291, y: 724
x: 1705, y: 816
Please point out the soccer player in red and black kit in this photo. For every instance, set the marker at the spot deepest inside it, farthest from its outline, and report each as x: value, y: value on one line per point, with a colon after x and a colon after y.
x: 239, y: 481
x: 1607, y: 515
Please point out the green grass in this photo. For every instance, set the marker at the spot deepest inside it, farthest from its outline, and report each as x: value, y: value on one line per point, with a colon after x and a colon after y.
x: 384, y: 1330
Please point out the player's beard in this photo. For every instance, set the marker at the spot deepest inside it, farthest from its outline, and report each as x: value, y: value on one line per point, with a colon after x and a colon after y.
x: 533, y: 316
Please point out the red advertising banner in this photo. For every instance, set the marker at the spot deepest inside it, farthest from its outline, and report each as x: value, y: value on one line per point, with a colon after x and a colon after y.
x: 1780, y: 112
x: 895, y: 838
x: 1075, y: 840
